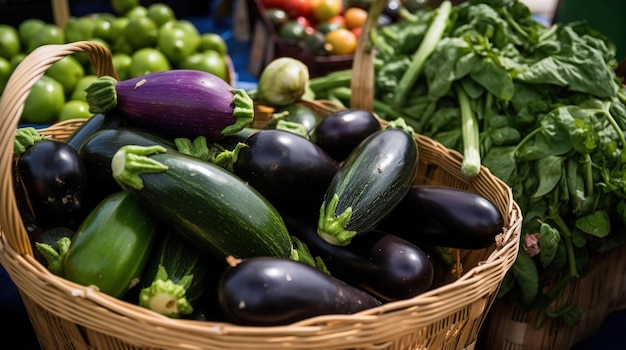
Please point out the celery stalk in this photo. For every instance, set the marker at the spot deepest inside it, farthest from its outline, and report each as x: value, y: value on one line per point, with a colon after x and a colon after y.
x: 427, y: 46
x: 470, y: 166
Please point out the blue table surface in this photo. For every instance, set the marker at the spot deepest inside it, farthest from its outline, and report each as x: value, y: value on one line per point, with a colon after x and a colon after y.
x: 14, y: 321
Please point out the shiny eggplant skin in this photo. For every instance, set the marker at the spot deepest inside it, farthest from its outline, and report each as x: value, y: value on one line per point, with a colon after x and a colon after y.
x: 445, y: 216
x: 382, y: 264
x: 54, y: 180
x: 287, y: 169
x: 340, y: 132
x: 269, y: 291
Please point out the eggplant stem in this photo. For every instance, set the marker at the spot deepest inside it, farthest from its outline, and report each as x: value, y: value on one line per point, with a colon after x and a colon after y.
x: 243, y: 111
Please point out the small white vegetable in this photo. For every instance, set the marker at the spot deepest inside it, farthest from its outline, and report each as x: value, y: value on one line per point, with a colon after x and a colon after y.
x: 283, y: 82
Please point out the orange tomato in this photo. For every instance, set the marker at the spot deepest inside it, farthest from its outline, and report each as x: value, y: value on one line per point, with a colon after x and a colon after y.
x: 355, y: 17
x: 341, y: 41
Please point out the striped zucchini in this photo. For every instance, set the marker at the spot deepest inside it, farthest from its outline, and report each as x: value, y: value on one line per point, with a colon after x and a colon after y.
x: 207, y: 204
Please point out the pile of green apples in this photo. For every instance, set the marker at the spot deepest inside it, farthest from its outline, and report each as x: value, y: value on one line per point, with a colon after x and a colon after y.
x: 142, y: 39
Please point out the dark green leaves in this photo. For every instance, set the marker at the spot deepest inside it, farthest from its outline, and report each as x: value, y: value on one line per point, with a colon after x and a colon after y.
x: 552, y: 115
x: 526, y: 275
x: 596, y: 224
x: 566, y: 59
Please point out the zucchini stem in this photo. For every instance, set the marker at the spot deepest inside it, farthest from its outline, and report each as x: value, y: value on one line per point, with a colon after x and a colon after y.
x: 130, y: 161
x: 166, y: 296
x: 332, y: 228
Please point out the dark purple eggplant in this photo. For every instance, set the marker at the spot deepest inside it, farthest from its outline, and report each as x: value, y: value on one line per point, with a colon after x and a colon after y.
x: 445, y: 216
x: 382, y: 264
x: 289, y: 170
x: 54, y: 182
x: 98, y: 151
x: 178, y: 103
x: 269, y: 291
x: 340, y: 132
x: 92, y: 125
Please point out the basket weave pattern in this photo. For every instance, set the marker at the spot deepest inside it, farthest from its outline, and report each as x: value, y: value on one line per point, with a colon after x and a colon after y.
x: 69, y: 316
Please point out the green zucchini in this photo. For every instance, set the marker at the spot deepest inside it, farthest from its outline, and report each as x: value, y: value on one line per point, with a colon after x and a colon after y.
x: 98, y: 150
x: 210, y: 206
x: 111, y: 246
x: 176, y: 276
x: 371, y: 182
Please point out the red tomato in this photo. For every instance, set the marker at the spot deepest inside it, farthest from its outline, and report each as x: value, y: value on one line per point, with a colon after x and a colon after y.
x: 273, y: 3
x: 297, y: 8
x: 338, y: 19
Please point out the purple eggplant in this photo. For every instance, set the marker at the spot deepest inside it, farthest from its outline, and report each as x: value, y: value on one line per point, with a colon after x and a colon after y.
x: 382, y: 264
x: 270, y: 291
x: 289, y: 170
x: 445, y: 216
x: 340, y: 132
x: 52, y: 177
x: 178, y: 103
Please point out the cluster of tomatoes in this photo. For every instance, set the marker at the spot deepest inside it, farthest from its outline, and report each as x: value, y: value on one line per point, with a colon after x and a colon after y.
x: 323, y: 26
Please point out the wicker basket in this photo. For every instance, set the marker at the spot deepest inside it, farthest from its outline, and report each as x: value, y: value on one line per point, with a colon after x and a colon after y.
x: 70, y: 316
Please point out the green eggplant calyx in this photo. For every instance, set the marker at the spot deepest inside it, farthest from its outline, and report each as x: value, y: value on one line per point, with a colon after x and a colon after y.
x: 332, y: 228
x: 293, y: 127
x: 166, y: 296
x: 101, y: 95
x: 400, y: 123
x: 131, y: 161
x: 302, y: 254
x: 198, y: 148
x: 276, y: 117
x: 243, y: 112
x: 54, y: 257
x: 227, y: 158
x: 24, y: 138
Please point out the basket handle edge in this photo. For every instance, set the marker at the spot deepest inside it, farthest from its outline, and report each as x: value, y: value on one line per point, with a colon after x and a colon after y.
x: 17, y: 89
